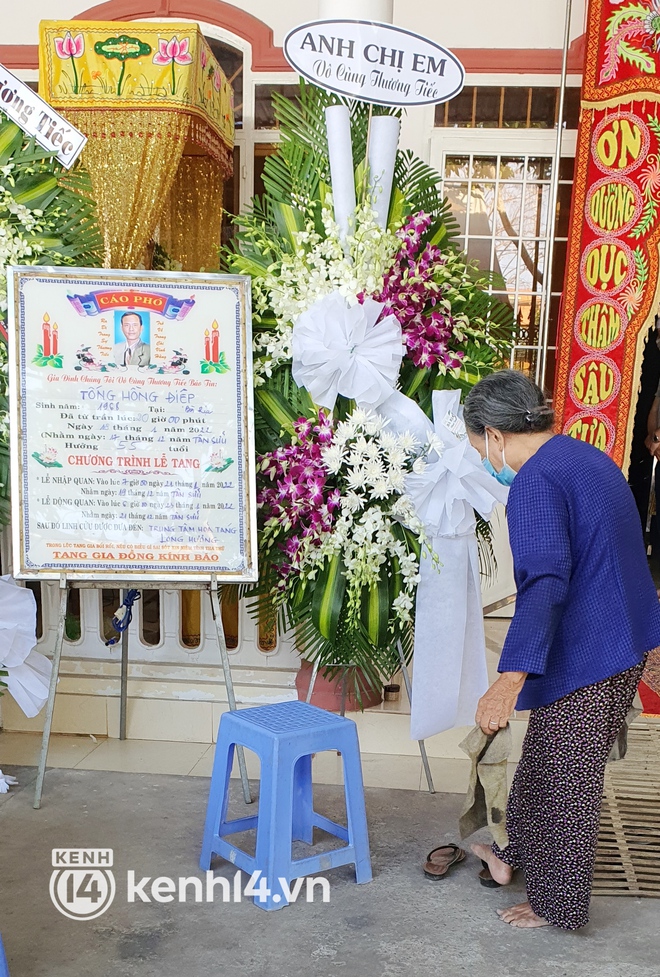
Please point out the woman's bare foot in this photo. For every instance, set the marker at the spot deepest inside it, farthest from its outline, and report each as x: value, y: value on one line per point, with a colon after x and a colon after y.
x: 522, y: 916
x: 499, y: 870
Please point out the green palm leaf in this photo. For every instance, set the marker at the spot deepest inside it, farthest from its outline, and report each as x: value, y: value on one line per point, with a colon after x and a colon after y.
x: 375, y: 609
x: 35, y: 191
x: 11, y: 138
x: 419, y: 185
x: 329, y: 590
x: 275, y: 410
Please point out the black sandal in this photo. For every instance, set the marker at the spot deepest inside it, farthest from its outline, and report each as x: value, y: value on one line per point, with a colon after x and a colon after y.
x: 457, y: 855
x: 486, y: 878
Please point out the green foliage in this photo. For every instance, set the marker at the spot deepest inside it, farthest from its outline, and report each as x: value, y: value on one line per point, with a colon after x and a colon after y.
x: 328, y: 597
x: 54, y: 362
x: 647, y: 218
x: 641, y: 265
x: 48, y: 217
x: 348, y: 647
x: 297, y: 179
x: 66, y: 213
x: 419, y: 188
x: 654, y: 124
x: 207, y: 366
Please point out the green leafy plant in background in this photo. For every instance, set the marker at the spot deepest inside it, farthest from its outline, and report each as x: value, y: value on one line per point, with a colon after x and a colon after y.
x: 47, y: 217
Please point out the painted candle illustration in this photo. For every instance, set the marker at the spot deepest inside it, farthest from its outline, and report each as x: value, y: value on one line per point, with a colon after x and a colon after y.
x: 214, y: 358
x: 48, y: 354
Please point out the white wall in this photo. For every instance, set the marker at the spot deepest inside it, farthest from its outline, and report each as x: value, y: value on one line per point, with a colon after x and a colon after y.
x: 470, y: 23
x: 492, y: 23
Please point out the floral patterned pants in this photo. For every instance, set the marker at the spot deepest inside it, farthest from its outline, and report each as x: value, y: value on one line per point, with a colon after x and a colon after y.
x: 554, y: 805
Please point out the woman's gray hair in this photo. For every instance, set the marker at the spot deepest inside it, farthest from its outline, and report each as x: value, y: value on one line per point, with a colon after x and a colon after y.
x: 507, y: 401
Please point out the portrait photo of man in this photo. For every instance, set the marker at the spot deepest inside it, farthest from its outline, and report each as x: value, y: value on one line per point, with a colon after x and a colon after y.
x: 133, y: 351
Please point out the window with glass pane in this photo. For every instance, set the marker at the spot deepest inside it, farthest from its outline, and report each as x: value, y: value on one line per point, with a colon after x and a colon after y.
x: 261, y: 152
x: 501, y: 204
x: 264, y: 109
x: 487, y: 107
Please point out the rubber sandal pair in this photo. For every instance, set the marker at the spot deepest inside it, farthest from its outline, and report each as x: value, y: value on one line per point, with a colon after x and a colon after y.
x: 441, y: 859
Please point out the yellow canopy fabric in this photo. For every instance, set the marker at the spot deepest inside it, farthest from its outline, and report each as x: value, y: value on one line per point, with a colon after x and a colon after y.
x: 133, y: 65
x: 141, y: 93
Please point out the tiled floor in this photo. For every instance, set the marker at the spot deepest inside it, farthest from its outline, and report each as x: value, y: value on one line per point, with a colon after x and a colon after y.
x: 196, y: 760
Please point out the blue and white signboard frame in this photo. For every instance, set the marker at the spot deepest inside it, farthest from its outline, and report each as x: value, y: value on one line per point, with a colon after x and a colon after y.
x: 132, y: 425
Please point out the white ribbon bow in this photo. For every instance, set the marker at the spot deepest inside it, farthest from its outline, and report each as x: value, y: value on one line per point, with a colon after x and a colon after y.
x: 28, y: 672
x: 343, y: 349
x: 450, y: 673
x: 454, y: 482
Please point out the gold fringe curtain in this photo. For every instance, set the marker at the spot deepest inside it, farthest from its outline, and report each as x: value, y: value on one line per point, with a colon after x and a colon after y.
x: 191, y: 219
x: 132, y: 158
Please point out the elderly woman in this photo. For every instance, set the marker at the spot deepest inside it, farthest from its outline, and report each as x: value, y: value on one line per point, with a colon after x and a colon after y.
x: 586, y: 615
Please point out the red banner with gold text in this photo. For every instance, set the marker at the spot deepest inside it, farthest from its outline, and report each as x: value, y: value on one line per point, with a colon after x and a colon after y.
x: 612, y: 283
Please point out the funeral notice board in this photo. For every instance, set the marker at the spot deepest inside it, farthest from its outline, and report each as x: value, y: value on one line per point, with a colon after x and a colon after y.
x: 131, y: 425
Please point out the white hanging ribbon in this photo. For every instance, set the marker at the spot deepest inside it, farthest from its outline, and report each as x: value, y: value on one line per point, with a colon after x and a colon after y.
x: 449, y: 675
x: 342, y: 349
x: 28, y: 672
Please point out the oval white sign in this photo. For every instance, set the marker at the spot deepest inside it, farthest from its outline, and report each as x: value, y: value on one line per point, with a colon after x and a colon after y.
x: 375, y: 63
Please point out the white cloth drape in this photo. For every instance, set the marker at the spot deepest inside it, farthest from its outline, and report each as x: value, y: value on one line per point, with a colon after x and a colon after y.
x: 28, y: 672
x: 449, y: 674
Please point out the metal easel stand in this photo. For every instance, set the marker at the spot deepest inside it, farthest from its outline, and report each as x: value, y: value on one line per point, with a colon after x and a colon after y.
x: 123, y: 681
x: 212, y: 588
x: 229, y: 682
x: 50, y: 703
x: 344, y: 677
x: 489, y: 609
x: 421, y: 743
x: 406, y: 678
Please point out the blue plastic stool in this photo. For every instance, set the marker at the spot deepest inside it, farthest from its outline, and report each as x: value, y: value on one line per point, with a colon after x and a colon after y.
x: 4, y: 969
x: 284, y: 736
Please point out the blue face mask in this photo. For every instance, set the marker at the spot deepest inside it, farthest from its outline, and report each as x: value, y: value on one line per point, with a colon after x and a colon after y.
x: 506, y: 475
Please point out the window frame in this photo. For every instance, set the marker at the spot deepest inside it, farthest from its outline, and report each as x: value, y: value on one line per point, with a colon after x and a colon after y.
x: 448, y: 142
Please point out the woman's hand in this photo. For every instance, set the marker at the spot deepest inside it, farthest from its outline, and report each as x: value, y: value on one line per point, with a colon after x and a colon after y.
x: 496, y: 706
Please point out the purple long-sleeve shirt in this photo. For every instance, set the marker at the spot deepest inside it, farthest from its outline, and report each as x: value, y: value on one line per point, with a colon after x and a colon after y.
x: 587, y: 607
